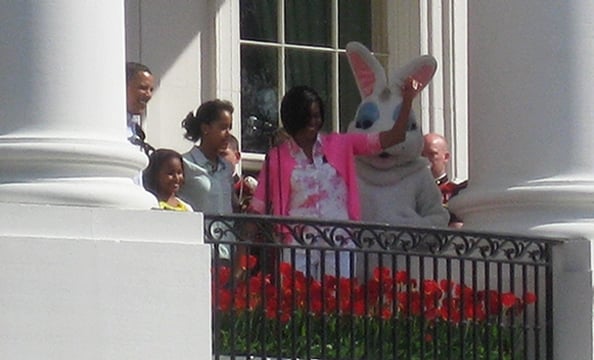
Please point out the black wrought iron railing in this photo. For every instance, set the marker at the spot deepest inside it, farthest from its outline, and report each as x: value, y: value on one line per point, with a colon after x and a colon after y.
x: 305, y: 289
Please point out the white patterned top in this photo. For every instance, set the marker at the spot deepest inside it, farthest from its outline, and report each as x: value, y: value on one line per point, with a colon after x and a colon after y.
x: 317, y: 190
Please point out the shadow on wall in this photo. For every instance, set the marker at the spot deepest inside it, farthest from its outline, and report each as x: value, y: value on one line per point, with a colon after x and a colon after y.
x: 177, y: 41
x: 158, y: 34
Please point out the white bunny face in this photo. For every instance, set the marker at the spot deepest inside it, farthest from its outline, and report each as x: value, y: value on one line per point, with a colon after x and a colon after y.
x: 381, y: 102
x: 374, y: 115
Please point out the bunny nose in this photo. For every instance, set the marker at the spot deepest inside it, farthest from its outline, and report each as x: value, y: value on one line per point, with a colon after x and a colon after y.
x: 384, y: 155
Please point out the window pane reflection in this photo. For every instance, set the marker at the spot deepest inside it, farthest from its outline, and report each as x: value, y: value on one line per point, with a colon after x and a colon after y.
x: 349, y: 98
x: 258, y: 20
x: 313, y: 69
x: 308, y: 22
x: 259, y: 98
x: 354, y: 22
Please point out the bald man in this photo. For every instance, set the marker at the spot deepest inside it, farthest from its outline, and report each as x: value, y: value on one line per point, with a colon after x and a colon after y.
x: 437, y: 151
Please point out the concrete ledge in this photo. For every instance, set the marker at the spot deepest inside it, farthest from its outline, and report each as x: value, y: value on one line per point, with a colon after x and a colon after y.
x: 103, y: 284
x: 93, y: 223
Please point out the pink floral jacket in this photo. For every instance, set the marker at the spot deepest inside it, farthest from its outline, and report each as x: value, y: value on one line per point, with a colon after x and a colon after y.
x: 273, y: 193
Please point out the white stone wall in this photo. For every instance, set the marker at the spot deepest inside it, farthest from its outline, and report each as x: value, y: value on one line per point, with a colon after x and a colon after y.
x: 176, y: 42
x: 84, y: 283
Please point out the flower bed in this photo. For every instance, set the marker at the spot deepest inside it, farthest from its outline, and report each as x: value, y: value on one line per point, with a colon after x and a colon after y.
x: 389, y: 316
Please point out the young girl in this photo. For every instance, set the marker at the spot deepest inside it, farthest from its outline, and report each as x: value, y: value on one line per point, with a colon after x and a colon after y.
x: 209, y: 178
x: 163, y: 177
x: 312, y: 175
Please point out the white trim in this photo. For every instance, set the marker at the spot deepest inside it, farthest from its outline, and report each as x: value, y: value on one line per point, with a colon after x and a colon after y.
x: 228, y: 59
x: 443, y: 34
x: 283, y: 47
x: 459, y: 125
x: 435, y: 41
x: 335, y: 71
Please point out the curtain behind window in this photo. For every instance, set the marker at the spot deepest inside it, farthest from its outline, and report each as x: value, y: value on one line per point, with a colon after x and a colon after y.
x: 307, y: 23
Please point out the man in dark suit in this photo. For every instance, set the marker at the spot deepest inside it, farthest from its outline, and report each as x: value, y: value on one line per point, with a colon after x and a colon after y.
x: 139, y: 91
x: 436, y: 150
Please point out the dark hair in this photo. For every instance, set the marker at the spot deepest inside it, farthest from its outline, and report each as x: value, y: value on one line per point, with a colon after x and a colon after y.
x: 156, y: 161
x: 295, y: 108
x: 132, y: 68
x: 207, y: 113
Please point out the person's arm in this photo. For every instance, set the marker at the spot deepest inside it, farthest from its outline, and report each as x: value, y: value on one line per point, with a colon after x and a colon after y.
x: 257, y: 204
x: 397, y: 133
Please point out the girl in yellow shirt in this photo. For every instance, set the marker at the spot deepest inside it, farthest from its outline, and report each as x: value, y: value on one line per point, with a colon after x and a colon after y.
x: 163, y: 177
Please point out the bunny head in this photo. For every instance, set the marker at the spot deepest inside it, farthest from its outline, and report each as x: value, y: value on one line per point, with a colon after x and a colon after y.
x: 381, y: 101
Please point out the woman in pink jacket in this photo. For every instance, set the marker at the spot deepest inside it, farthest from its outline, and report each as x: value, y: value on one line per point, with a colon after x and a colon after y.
x: 313, y: 175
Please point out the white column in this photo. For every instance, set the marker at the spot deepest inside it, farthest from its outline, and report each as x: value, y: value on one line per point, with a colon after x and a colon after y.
x: 531, y: 115
x: 62, y: 106
x: 443, y: 34
x: 530, y: 137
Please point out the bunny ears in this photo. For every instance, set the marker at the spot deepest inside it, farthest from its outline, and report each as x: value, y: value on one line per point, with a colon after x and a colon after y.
x: 371, y: 77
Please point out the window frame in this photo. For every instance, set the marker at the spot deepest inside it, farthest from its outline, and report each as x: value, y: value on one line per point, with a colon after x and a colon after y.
x: 252, y: 161
x: 417, y: 27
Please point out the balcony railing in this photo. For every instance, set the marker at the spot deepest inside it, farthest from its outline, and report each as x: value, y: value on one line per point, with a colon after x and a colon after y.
x: 296, y: 288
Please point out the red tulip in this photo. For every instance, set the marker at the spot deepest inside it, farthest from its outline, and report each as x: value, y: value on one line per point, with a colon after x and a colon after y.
x: 401, y: 277
x: 382, y: 273
x: 247, y: 262
x: 529, y: 298
x: 224, y: 274
x: 508, y: 300
x: 225, y: 299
